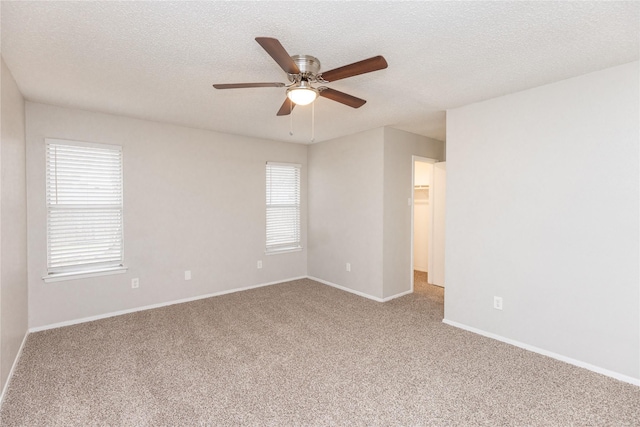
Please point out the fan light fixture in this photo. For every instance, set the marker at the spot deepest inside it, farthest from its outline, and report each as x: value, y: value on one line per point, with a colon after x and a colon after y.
x: 304, y: 70
x: 302, y: 94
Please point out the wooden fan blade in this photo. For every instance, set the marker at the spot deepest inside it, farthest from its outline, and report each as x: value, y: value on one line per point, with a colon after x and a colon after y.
x: 341, y: 97
x: 279, y: 54
x: 366, y: 66
x: 287, y: 107
x: 245, y: 85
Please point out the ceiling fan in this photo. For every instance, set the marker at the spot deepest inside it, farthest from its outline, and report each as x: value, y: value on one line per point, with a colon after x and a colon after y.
x: 303, y: 70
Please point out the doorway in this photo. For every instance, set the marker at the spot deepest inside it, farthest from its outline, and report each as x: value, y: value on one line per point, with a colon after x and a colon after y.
x: 421, y: 218
x: 427, y: 222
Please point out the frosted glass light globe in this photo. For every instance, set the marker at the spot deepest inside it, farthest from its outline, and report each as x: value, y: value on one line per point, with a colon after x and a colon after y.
x: 302, y: 95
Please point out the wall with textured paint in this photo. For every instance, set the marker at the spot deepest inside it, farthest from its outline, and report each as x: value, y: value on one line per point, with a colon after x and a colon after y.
x: 542, y: 210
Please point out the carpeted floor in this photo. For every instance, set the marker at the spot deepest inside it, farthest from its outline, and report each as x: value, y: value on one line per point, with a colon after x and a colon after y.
x: 300, y: 353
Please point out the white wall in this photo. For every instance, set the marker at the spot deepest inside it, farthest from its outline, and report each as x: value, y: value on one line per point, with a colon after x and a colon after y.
x: 422, y: 172
x: 193, y: 200
x: 399, y: 147
x: 542, y: 209
x: 345, y: 211
x: 358, y: 191
x: 13, y: 225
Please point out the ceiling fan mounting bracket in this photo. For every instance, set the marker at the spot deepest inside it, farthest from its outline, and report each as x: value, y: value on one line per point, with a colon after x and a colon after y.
x: 309, y: 67
x: 307, y: 63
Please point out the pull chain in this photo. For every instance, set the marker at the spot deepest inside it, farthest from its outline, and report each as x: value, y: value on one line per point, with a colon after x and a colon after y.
x: 290, y: 118
x: 313, y: 122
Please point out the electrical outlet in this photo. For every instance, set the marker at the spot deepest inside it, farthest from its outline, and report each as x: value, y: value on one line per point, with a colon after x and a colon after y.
x: 348, y: 266
x: 135, y: 283
x: 260, y: 263
x: 497, y: 303
x: 187, y: 275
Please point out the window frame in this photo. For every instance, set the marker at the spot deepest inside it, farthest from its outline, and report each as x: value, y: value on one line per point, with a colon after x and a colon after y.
x: 294, y: 245
x: 86, y: 269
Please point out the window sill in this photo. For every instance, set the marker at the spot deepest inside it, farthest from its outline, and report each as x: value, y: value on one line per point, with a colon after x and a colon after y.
x: 59, y: 277
x: 282, y: 251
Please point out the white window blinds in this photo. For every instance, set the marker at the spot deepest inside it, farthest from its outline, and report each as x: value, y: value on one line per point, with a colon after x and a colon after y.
x: 283, y: 207
x: 84, y: 206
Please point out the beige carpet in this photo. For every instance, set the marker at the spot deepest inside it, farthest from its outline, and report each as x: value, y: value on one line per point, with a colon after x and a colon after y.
x: 300, y: 353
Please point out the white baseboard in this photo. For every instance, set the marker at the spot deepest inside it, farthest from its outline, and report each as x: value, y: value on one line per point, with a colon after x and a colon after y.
x: 569, y: 360
x: 215, y: 294
x: 401, y: 294
x: 342, y: 288
x: 361, y: 294
x: 13, y: 367
x: 152, y: 306
x: 420, y: 269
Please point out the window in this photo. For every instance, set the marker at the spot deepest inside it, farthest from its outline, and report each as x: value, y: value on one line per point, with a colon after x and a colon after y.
x: 283, y: 207
x: 84, y: 207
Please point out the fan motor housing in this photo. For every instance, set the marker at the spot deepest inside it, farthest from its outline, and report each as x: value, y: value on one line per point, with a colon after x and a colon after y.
x: 307, y: 64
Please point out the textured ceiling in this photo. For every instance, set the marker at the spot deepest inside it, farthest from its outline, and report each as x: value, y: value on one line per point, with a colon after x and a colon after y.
x: 158, y: 60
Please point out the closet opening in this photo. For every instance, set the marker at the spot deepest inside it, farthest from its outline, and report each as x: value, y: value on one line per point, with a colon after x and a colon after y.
x: 427, y: 227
